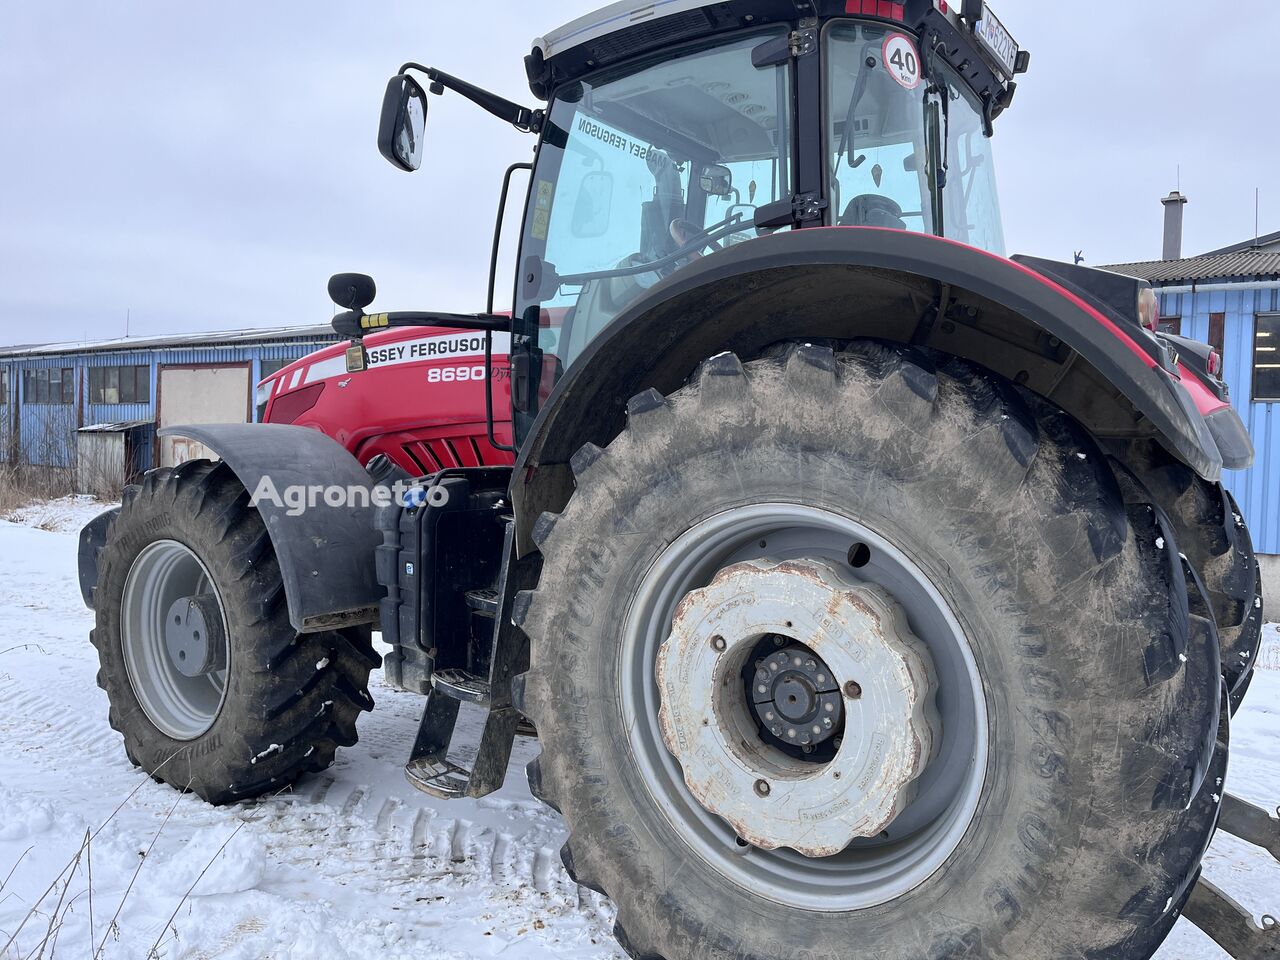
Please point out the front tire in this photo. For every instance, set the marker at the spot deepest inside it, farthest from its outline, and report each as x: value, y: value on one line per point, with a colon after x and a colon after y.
x: 1097, y: 700
x: 267, y: 704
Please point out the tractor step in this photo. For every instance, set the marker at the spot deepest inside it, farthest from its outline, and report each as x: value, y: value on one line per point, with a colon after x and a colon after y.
x: 440, y: 779
x: 1230, y: 925
x: 463, y: 686
x: 434, y: 769
x: 435, y: 766
x: 1251, y: 824
x: 483, y: 601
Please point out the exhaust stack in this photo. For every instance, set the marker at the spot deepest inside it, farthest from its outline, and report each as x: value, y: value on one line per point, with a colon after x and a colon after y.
x: 1173, y: 205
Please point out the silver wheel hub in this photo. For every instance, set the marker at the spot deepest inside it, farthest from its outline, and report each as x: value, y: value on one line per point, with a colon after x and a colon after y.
x: 847, y: 673
x: 193, y: 636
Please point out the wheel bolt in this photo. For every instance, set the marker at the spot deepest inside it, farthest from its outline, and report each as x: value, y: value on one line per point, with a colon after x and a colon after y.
x: 853, y: 691
x: 718, y: 644
x: 763, y: 788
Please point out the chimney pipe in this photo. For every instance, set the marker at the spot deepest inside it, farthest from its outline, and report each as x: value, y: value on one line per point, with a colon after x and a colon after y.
x: 1173, y: 205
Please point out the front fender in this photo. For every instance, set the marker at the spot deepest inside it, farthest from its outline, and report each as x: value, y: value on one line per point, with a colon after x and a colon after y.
x: 844, y: 283
x: 325, y: 553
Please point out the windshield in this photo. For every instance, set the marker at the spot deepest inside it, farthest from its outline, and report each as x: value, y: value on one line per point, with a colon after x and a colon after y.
x: 971, y: 203
x: 640, y: 174
x: 884, y: 121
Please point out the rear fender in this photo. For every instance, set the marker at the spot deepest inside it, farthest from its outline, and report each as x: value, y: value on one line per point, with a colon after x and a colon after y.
x: 325, y: 553
x: 1115, y: 377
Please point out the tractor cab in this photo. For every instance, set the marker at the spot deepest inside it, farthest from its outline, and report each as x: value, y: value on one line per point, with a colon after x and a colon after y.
x: 683, y: 133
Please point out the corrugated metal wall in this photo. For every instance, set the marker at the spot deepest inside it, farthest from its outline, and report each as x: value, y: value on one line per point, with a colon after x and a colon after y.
x: 46, y: 431
x: 8, y: 409
x: 1257, y: 490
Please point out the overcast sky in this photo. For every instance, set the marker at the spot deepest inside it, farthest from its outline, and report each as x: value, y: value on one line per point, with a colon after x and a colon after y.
x: 208, y: 166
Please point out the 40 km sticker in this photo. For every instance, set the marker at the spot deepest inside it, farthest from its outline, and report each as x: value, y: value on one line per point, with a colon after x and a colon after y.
x: 902, y: 60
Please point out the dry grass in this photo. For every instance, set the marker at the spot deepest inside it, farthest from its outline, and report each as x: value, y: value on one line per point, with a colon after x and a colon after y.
x: 21, y: 485
x: 54, y: 908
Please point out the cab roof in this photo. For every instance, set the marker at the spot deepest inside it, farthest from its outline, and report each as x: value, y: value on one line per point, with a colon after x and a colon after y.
x: 633, y: 28
x: 610, y: 19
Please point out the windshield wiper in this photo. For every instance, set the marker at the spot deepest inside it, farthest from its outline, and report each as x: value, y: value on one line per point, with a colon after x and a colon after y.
x: 847, y: 148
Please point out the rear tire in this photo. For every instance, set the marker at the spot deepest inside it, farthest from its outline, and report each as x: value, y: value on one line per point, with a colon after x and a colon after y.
x: 1099, y: 681
x: 284, y: 701
x: 1213, y: 535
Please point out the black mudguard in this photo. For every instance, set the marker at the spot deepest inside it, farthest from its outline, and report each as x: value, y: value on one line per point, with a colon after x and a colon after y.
x: 838, y: 284
x: 325, y: 553
x: 93, y: 537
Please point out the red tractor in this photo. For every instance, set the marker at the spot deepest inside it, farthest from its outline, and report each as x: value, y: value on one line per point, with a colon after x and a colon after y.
x: 867, y: 591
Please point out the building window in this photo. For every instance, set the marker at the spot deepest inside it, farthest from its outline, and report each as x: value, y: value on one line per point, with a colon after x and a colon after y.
x: 1218, y: 333
x: 49, y: 385
x: 1266, y: 358
x: 269, y: 367
x: 4, y: 387
x: 1171, y: 325
x: 120, y: 384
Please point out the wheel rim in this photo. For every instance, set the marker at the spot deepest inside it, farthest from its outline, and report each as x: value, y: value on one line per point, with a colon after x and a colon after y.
x: 930, y: 828
x: 165, y: 574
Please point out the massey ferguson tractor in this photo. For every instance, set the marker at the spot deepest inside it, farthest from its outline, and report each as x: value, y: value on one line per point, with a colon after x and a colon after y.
x: 870, y: 594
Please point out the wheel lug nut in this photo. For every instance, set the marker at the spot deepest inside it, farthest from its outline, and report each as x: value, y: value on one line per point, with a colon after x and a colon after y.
x: 763, y: 788
x: 718, y: 644
x: 852, y: 690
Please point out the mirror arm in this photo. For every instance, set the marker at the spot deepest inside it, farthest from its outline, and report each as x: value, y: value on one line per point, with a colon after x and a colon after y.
x: 355, y: 325
x: 461, y: 321
x: 522, y: 118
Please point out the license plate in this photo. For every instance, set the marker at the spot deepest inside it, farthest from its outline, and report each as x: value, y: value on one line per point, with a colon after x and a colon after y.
x: 997, y: 41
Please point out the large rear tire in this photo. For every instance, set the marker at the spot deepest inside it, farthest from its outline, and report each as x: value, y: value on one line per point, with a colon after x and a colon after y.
x: 1078, y: 765
x: 267, y: 704
x: 1215, y: 539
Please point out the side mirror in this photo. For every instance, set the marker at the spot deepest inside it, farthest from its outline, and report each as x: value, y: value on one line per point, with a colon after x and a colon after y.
x: 717, y: 181
x: 594, y: 207
x: 352, y: 291
x: 404, y: 123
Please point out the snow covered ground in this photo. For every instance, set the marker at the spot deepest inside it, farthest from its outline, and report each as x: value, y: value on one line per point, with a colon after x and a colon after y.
x: 354, y: 863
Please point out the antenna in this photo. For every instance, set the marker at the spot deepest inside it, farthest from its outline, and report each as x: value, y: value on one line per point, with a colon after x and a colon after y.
x: 1257, y: 204
x: 127, y: 312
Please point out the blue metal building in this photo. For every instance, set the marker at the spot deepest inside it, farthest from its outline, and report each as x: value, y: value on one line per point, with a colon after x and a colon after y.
x: 1230, y: 298
x: 48, y: 393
